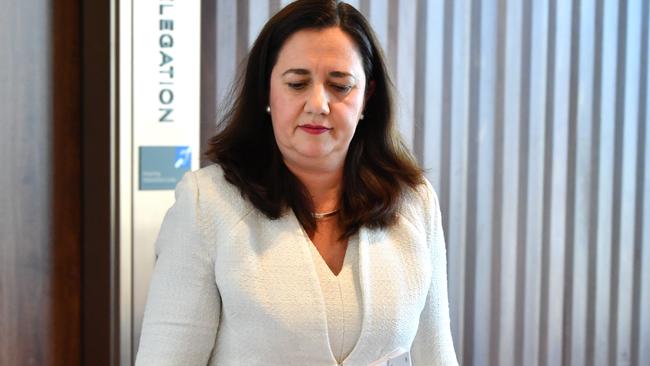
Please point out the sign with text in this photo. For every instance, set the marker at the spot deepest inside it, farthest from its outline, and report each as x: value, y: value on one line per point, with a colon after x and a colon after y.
x: 166, y: 73
x: 162, y: 167
x: 160, y: 66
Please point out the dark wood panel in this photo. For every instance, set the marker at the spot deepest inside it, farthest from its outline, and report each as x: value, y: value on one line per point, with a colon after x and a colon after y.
x: 66, y: 185
x: 39, y: 199
x: 99, y: 284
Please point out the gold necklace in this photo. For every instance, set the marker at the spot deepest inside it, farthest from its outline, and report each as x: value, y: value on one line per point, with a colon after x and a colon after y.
x: 324, y: 215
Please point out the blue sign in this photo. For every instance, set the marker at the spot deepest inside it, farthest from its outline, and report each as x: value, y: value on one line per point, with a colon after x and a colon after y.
x: 162, y: 167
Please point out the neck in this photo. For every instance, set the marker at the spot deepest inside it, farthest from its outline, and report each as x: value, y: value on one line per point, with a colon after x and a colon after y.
x: 324, y: 186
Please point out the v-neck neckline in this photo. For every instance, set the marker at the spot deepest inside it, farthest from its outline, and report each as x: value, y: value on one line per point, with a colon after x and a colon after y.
x: 321, y: 261
x: 361, y: 237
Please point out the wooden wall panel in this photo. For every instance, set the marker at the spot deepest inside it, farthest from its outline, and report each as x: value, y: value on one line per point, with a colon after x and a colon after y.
x: 532, y: 120
x: 100, y: 337
x: 40, y: 223
x: 65, y: 183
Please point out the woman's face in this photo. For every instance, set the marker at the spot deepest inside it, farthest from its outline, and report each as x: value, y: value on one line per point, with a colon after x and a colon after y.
x: 316, y: 98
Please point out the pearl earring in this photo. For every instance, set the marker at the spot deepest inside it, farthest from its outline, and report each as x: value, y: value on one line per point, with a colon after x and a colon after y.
x: 362, y: 116
x: 268, y: 109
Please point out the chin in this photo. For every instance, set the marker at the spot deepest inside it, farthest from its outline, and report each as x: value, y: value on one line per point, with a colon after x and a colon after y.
x: 314, y: 153
x: 319, y: 160
x: 312, y: 149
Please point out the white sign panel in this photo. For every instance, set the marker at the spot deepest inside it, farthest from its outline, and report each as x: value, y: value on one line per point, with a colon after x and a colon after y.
x: 160, y: 87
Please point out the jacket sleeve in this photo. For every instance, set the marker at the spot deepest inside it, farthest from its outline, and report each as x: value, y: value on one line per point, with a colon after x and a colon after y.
x: 183, y: 305
x: 433, y: 344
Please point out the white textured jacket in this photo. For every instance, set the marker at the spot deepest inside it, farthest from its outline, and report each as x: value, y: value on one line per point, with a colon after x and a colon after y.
x: 232, y: 287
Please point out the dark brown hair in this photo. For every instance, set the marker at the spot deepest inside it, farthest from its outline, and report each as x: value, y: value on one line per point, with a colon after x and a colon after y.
x: 378, y: 167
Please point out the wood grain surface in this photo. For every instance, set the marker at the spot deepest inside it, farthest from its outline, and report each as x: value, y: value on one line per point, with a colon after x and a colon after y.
x: 40, y: 221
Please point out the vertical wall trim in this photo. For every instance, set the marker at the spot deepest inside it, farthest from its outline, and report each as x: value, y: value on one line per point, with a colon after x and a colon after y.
x: 472, y: 185
x: 445, y: 156
x: 548, y: 180
x: 209, y: 49
x: 497, y: 190
x: 242, y: 30
x: 524, y: 153
x: 640, y: 184
x: 99, y: 181
x: 391, y: 52
x: 594, y: 188
x: 125, y: 345
x: 420, y: 80
x: 114, y: 204
x: 445, y: 148
x: 571, y: 186
x: 618, y: 170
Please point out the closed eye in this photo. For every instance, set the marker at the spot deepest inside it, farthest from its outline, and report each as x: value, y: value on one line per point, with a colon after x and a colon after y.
x: 297, y: 86
x: 343, y: 89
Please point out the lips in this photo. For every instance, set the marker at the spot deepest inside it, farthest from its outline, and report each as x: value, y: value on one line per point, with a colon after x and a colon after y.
x: 314, y: 129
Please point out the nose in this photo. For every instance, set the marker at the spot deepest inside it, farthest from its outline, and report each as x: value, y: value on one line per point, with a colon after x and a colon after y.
x: 317, y: 101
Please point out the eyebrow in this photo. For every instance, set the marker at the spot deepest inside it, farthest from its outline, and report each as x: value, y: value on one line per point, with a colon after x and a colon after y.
x: 334, y: 74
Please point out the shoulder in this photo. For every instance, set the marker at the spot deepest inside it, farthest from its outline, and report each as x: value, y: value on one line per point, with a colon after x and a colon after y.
x: 211, y: 181
x: 419, y: 205
x: 217, y: 198
x: 419, y: 199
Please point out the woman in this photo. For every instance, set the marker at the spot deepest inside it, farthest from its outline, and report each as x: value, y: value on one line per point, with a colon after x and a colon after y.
x: 314, y: 239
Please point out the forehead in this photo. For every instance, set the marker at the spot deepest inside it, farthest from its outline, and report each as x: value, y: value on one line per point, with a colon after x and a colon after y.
x: 329, y: 48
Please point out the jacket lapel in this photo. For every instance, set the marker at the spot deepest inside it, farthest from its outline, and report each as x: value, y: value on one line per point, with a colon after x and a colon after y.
x: 363, y: 351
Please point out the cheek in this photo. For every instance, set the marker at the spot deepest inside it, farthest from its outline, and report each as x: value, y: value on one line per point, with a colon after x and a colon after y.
x: 275, y: 101
x: 353, y: 112
x: 346, y: 123
x: 284, y: 109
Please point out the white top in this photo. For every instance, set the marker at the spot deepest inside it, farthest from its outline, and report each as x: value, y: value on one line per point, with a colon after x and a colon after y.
x: 232, y: 287
x: 342, y: 296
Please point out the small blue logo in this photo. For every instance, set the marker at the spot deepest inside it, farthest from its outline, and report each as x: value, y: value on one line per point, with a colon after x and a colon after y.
x: 183, y: 158
x: 162, y: 167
